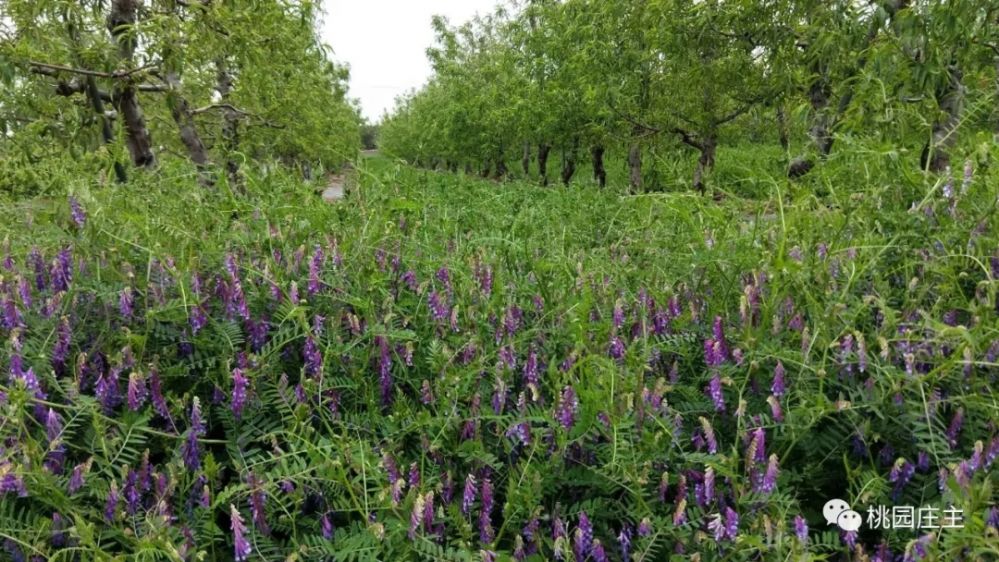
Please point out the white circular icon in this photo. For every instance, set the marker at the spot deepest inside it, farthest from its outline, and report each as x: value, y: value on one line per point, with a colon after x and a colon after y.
x: 849, y: 520
x: 833, y: 509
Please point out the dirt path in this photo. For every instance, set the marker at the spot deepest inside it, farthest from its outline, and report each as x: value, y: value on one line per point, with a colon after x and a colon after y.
x: 334, y: 189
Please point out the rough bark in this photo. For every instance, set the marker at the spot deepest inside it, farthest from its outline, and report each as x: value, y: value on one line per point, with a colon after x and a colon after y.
x: 230, y: 122
x: 818, y: 99
x: 950, y: 98
x: 635, y: 166
x: 569, y: 158
x: 783, y: 133
x: 97, y: 103
x: 543, y: 151
x: 819, y: 96
x: 597, y: 157
x: 96, y: 99
x: 180, y: 110
x: 124, y: 95
x: 705, y: 163
x: 501, y: 169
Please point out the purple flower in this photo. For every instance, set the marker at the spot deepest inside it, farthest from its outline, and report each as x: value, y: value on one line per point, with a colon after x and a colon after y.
x: 584, y: 537
x: 241, y: 546
x: 485, y: 275
x: 756, y: 452
x: 77, y: 213
x: 568, y: 406
x: 992, y: 517
x: 618, y: 315
x: 769, y: 481
x: 714, y: 391
x: 439, y: 310
x: 257, y: 504
x: 444, y: 276
x: 327, y: 526
x: 11, y: 315
x: 107, y: 389
x: 156, y: 392
x: 717, y: 527
x: 24, y: 291
x: 416, y: 517
x: 62, y: 271
x: 315, y: 265
x: 954, y: 429
x: 258, y: 334
x: 645, y: 527
x: 384, y: 369
x: 136, y: 390
x: 131, y: 492
x: 624, y: 540
x: 53, y: 426
x: 531, y: 368
x: 111, y: 504
x: 60, y: 351
x: 77, y: 478
x: 901, y: 473
x: 801, y: 528
x: 239, y: 387
x: 707, y: 488
x: 709, y: 435
x: 409, y: 278
x: 775, y: 410
x: 521, y: 432
x: 190, y: 449
x: 777, y: 387
x: 616, y: 348
x: 126, y: 303
x: 414, y: 475
x: 731, y: 523
x: 486, y: 534
x: 468, y: 497
x: 313, y: 357
x: 598, y: 553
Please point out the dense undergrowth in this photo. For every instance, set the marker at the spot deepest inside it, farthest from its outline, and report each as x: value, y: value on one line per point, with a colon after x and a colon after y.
x: 449, y: 368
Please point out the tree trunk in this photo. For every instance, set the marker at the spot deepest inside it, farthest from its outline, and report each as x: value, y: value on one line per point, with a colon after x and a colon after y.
x: 543, y: 150
x: 468, y: 169
x: 950, y: 99
x: 485, y: 169
x: 635, y: 166
x: 96, y: 100
x: 94, y: 95
x: 819, y: 93
x: 782, y: 128
x: 180, y: 110
x: 230, y: 123
x: 500, y: 169
x: 599, y: 174
x: 705, y: 163
x: 124, y: 95
x: 569, y: 161
x: 525, y: 160
x: 818, y: 98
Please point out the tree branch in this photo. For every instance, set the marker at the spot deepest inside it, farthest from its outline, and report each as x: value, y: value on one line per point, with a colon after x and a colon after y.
x: 688, y: 139
x: 53, y: 69
x: 226, y: 106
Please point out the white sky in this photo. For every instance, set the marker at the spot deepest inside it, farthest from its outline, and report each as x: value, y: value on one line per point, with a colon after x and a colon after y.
x: 385, y: 42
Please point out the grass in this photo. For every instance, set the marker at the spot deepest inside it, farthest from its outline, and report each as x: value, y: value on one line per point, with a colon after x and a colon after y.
x: 877, y: 297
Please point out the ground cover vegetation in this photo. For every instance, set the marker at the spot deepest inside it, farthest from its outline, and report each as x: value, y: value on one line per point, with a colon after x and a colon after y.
x: 202, y: 361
